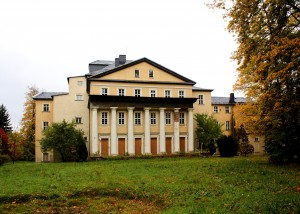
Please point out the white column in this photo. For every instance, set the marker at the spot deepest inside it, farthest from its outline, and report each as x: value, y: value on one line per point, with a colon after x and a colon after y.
x: 162, y: 135
x: 130, y: 141
x: 147, y: 131
x: 191, y: 131
x: 113, y: 131
x: 94, y: 131
x: 176, y: 130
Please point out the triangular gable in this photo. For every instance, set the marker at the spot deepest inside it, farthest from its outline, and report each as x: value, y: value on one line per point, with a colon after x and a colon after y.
x: 134, y: 64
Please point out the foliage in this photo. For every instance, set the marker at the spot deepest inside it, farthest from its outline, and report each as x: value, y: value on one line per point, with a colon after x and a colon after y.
x: 5, y: 119
x: 4, y: 146
x: 65, y: 139
x: 4, y: 159
x: 207, y: 129
x: 268, y: 37
x: 28, y: 123
x: 228, y: 146
x: 241, y: 134
x: 15, y: 146
x: 246, y: 149
x: 204, y: 185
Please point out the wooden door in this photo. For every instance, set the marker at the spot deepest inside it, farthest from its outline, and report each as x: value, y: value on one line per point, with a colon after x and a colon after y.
x: 121, y: 146
x: 138, y: 146
x: 182, y: 144
x: 169, y: 145
x: 104, y: 147
x: 154, y: 146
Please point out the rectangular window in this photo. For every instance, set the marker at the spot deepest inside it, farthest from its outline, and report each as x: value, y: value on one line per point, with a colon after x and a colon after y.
x: 181, y: 94
x: 136, y: 73
x: 153, y: 118
x: 104, y: 118
x: 121, y: 92
x: 216, y: 109
x: 79, y: 97
x: 78, y: 120
x: 121, y: 118
x: 150, y: 73
x: 168, y: 118
x: 137, y: 118
x: 46, y: 108
x: 104, y: 91
x: 167, y: 93
x: 227, y: 125
x: 227, y: 109
x: 152, y: 93
x: 181, y: 118
x: 201, y: 99
x: 79, y: 83
x: 256, y: 139
x: 45, y: 125
x: 137, y: 92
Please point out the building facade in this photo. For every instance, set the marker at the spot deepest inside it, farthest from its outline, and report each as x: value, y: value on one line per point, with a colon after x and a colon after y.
x: 127, y: 108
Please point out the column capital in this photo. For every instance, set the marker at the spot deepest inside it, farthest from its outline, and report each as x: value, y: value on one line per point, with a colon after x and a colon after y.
x: 147, y: 108
x: 191, y: 109
x: 113, y: 108
x: 130, y: 108
x: 176, y: 109
x: 162, y: 109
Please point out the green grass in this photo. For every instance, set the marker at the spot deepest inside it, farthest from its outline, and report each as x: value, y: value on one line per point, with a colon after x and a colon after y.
x: 172, y: 185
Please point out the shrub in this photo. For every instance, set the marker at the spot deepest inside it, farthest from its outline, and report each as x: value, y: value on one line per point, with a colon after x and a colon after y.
x: 246, y: 149
x: 4, y: 159
x: 228, y: 146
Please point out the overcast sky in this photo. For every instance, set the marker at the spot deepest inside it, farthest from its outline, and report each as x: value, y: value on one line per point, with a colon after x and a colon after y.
x: 44, y: 42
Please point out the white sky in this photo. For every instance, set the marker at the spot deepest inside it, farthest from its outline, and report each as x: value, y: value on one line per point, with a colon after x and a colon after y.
x: 44, y: 42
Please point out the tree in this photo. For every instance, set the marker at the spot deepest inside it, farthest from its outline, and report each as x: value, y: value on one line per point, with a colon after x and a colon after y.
x: 28, y: 123
x: 4, y: 119
x: 207, y: 130
x: 268, y: 56
x: 15, y: 146
x: 65, y: 139
x: 228, y: 146
x: 4, y: 147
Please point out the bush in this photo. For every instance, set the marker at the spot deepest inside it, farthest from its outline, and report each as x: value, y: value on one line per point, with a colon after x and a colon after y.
x: 228, y: 146
x: 246, y: 149
x: 4, y: 159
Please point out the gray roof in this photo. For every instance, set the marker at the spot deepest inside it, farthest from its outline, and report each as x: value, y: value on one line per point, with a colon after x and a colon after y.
x: 105, y: 65
x: 195, y: 88
x: 225, y: 100
x: 47, y: 95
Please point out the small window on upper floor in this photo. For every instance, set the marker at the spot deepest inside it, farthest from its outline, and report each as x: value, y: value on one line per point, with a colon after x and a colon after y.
x: 78, y: 120
x: 136, y: 73
x: 137, y: 92
x: 167, y: 93
x: 104, y: 91
x: 121, y: 119
x: 181, y: 94
x: 216, y: 109
x: 153, y: 118
x: 79, y: 83
x: 152, y: 93
x: 121, y: 92
x: 79, y: 97
x: 46, y: 108
x: 201, y: 99
x: 137, y: 118
x: 227, y: 125
x: 227, y: 109
x: 45, y: 125
x: 151, y: 74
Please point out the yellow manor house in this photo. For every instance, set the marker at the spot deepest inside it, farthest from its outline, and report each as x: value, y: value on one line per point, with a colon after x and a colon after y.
x: 133, y: 107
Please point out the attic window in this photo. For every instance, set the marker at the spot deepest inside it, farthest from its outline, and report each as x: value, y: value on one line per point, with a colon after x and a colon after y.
x: 137, y: 73
x: 150, y: 73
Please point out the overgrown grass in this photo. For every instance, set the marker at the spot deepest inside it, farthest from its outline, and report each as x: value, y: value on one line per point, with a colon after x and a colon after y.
x: 174, y: 185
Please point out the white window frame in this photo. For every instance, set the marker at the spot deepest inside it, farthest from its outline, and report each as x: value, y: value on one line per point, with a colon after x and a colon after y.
x: 80, y: 83
x: 136, y: 119
x: 121, y: 89
x: 151, y: 73
x: 121, y: 120
x: 181, y: 118
x: 227, y: 125
x: 150, y: 92
x: 216, y: 109
x: 79, y: 97
x: 103, y: 92
x: 78, y: 120
x: 168, y: 119
x: 181, y: 93
x: 140, y: 91
x: 168, y: 95
x: 104, y: 118
x: 136, y: 73
x: 201, y: 99
x: 46, y: 107
x: 153, y: 118
x: 45, y: 125
x: 227, y: 109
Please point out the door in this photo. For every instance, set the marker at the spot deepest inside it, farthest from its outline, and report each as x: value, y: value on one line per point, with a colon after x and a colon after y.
x: 138, y: 146
x: 154, y: 146
x: 169, y: 145
x: 104, y: 147
x: 182, y: 144
x: 121, y: 146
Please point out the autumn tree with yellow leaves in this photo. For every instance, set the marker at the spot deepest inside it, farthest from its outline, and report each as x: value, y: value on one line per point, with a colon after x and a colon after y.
x: 268, y: 56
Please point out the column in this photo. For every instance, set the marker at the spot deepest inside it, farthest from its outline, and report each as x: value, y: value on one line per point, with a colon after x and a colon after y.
x: 130, y: 134
x: 176, y: 130
x: 94, y: 131
x: 162, y: 135
x: 191, y: 131
x: 113, y: 131
x: 147, y: 131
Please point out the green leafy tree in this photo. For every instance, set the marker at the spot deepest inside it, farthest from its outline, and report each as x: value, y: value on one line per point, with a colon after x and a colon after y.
x: 5, y: 119
x: 65, y: 139
x: 268, y: 53
x: 208, y: 129
x: 28, y: 123
x: 228, y: 146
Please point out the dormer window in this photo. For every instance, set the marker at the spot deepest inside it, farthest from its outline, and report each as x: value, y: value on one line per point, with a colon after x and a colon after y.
x: 136, y: 73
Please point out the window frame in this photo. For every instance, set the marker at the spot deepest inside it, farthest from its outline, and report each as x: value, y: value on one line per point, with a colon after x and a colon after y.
x: 121, y: 89
x: 170, y: 92
x: 45, y: 125
x: 181, y: 119
x: 140, y: 92
x: 152, y: 90
x: 168, y: 118
x: 104, y: 120
x: 78, y: 120
x: 153, y: 118
x: 151, y: 73
x: 181, y: 95
x: 227, y: 109
x: 138, y: 118
x: 46, y: 107
x: 227, y: 125
x: 121, y: 120
x: 216, y: 109
x: 201, y: 99
x: 136, y: 73
x: 105, y: 93
x: 79, y: 97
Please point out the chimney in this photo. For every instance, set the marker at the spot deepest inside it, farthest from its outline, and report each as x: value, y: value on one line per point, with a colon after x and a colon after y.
x: 122, y: 59
x: 231, y: 98
x: 117, y: 62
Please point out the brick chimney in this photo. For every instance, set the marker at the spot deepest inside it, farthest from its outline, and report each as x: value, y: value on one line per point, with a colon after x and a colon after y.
x: 231, y: 98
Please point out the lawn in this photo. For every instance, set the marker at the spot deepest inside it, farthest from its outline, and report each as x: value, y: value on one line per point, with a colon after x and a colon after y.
x: 166, y: 185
